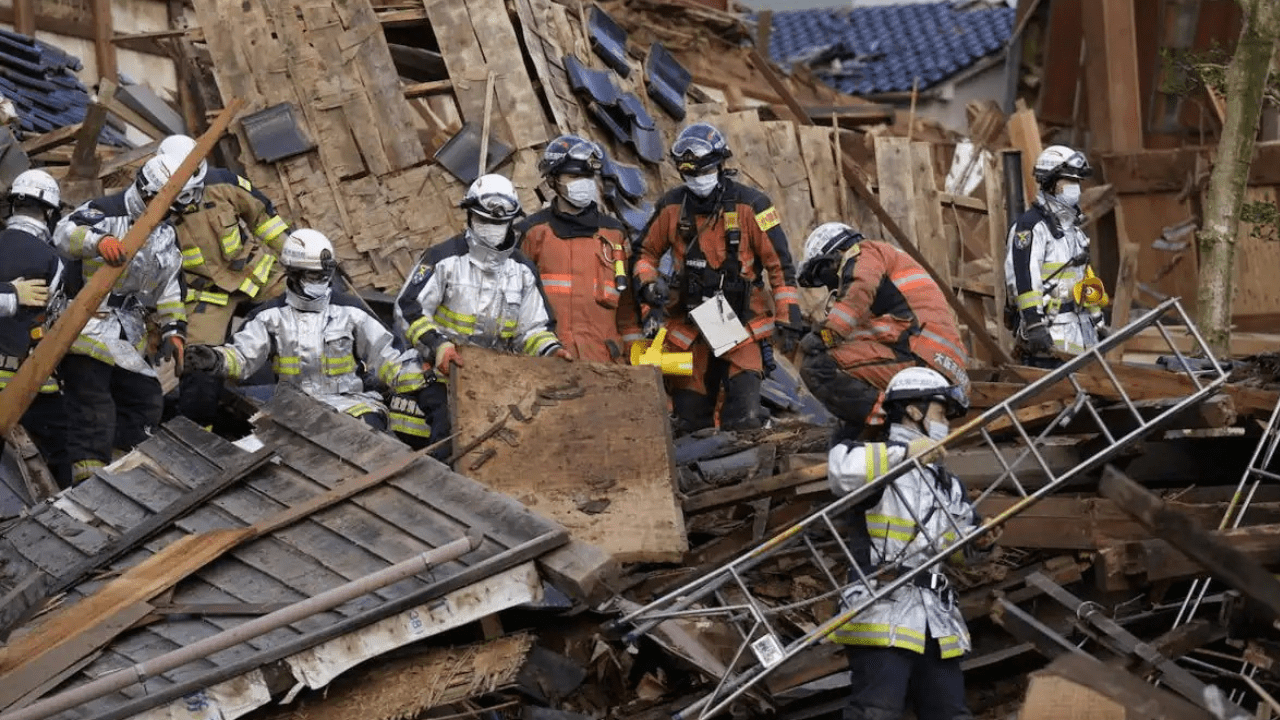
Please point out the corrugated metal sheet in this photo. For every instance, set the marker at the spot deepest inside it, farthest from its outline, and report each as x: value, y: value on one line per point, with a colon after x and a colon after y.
x: 884, y: 48
x: 423, y: 507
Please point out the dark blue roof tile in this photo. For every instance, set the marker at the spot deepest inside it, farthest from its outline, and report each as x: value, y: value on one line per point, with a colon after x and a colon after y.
x: 40, y: 80
x: 885, y: 48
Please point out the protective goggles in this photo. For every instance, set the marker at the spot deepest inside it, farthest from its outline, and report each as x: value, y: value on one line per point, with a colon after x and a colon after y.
x: 1076, y: 166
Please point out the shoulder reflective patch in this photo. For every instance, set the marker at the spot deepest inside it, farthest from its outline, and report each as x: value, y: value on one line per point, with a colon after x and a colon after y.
x: 244, y: 183
x: 421, y: 274
x: 1022, y: 240
x: 88, y: 216
x: 768, y: 219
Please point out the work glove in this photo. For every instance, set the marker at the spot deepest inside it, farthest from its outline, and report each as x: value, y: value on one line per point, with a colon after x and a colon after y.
x: 31, y: 293
x: 446, y: 357
x: 988, y: 539
x: 563, y: 354
x: 112, y: 251
x: 174, y: 346
x: 788, y: 337
x: 1038, y: 340
x: 926, y: 449
x: 652, y: 322
x: 654, y: 294
x: 202, y: 358
x: 812, y: 344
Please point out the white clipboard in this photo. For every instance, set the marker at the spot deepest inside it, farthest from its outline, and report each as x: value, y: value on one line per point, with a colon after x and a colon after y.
x: 719, y: 324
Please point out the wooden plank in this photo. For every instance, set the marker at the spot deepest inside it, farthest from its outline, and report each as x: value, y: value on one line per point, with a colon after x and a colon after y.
x: 103, y: 51
x: 67, y: 635
x: 1111, y: 75
x: 514, y: 94
x: 1150, y: 384
x: 24, y: 17
x: 998, y: 224
x: 1063, y: 39
x: 1122, y: 295
x: 582, y: 444
x: 1257, y: 256
x: 1219, y: 559
x: 742, y: 492
x: 1050, y: 697
x: 930, y: 236
x: 1140, y: 699
x: 423, y: 89
x: 52, y: 139
x: 1141, y: 562
x: 896, y: 188
x: 1024, y: 133
x: 584, y: 572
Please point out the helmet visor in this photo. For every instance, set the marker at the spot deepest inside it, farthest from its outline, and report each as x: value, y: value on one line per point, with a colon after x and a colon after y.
x: 952, y: 397
x: 1075, y: 166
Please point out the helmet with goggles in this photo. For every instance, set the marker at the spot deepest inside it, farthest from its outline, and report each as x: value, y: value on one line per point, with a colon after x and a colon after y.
x: 698, y: 148
x: 571, y: 155
x: 919, y: 384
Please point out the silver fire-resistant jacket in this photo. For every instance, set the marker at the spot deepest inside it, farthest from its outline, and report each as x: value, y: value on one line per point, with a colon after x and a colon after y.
x: 1039, y: 274
x: 150, y: 283
x: 319, y: 346
x: 904, y: 617
x: 498, y: 307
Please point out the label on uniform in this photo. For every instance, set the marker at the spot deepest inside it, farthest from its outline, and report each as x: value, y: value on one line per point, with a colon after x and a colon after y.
x: 768, y: 650
x: 768, y: 219
x: 719, y: 324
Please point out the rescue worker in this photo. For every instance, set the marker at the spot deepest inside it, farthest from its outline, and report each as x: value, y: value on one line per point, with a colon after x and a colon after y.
x: 315, y: 339
x: 31, y: 295
x: 475, y: 289
x: 581, y: 256
x: 905, y: 648
x: 1057, y: 298
x: 112, y: 393
x: 885, y: 315
x: 726, y: 240
x: 230, y: 236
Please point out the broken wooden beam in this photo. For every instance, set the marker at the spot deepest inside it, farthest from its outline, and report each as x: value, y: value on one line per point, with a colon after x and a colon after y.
x: 582, y: 571
x: 435, y: 87
x: 755, y: 489
x: 52, y: 139
x: 1219, y: 559
x: 1124, y: 565
x: 1141, y: 699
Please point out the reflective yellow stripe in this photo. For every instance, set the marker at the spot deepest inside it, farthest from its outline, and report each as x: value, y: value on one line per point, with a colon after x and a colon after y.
x: 340, y: 365
x: 418, y: 328
x: 408, y: 425
x: 192, y: 257
x: 359, y: 409
x: 50, y: 385
x: 85, y: 345
x: 539, y: 341
x: 230, y: 362
x: 1028, y: 300
x: 878, y: 635
x: 877, y: 459
x: 249, y: 287
x: 262, y: 268
x: 287, y: 365
x: 270, y: 229
x: 409, y: 382
x: 171, y: 307
x: 84, y: 469
x: 230, y: 241
x: 77, y: 240
x: 212, y: 297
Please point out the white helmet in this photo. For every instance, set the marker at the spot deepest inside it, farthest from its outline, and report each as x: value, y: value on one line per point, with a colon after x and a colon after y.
x: 827, y: 241
x: 493, y: 198
x: 157, y: 171
x: 1059, y: 161
x: 307, y: 249
x: 921, y: 383
x: 37, y: 185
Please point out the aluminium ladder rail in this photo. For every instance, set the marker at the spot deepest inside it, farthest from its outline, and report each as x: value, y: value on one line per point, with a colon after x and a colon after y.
x: 725, y: 594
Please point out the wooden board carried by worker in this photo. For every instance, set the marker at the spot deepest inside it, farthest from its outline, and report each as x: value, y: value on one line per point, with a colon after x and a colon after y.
x: 1050, y: 697
x: 587, y: 445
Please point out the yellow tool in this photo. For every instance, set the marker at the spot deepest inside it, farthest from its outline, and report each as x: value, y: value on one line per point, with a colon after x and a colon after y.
x: 649, y: 352
x: 1091, y: 293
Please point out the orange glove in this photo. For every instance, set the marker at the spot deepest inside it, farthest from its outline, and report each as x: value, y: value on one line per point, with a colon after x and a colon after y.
x: 446, y: 357
x: 563, y: 354
x: 112, y: 250
x: 174, y: 346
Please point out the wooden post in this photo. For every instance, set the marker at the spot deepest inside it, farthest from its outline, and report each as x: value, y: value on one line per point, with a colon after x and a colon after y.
x: 24, y: 17
x: 1111, y: 75
x: 997, y: 232
x: 1024, y: 133
x: 104, y: 49
x: 26, y: 382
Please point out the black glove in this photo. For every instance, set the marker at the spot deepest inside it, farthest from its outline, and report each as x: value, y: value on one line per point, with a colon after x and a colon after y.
x: 203, y: 358
x: 654, y: 294
x: 652, y: 322
x: 1039, y: 342
x: 812, y: 344
x: 788, y: 337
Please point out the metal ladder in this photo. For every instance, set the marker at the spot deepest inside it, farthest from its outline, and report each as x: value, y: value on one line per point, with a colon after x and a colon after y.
x: 725, y: 594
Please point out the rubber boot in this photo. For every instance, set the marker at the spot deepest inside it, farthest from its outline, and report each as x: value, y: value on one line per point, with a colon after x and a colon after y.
x: 742, y: 409
x: 693, y: 412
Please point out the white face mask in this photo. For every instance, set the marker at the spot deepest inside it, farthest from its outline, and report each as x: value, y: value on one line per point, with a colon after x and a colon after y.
x: 702, y: 185
x: 1070, y: 195
x: 314, y: 290
x: 581, y: 192
x: 937, y: 431
x: 490, y: 234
